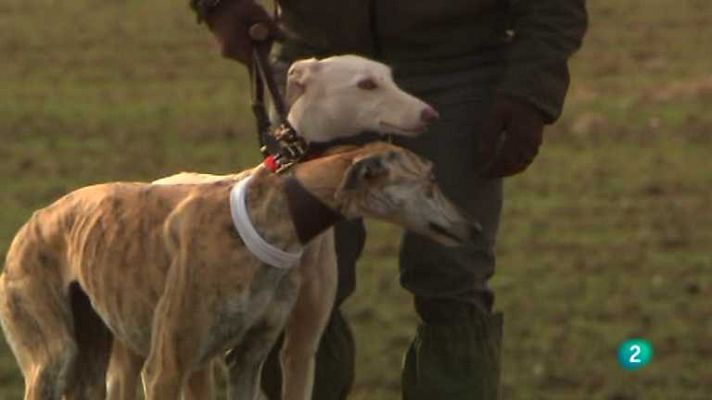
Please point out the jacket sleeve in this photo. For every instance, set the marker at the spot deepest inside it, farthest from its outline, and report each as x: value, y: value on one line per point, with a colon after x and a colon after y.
x: 545, y: 34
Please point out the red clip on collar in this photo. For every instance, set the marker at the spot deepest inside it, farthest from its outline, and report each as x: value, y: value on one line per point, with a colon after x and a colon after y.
x: 271, y: 163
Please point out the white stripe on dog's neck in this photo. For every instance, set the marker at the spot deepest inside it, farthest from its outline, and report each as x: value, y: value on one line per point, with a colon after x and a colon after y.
x: 264, y: 251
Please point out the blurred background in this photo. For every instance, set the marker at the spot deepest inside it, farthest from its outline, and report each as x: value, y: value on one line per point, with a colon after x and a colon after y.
x: 607, y: 236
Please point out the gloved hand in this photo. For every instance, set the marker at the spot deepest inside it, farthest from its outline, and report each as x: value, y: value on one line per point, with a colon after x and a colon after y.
x: 230, y: 23
x: 510, y: 137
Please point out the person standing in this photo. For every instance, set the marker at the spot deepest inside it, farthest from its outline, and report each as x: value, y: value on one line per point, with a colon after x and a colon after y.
x: 496, y: 70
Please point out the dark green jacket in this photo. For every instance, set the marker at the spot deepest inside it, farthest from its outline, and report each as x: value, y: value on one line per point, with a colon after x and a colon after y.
x: 535, y: 37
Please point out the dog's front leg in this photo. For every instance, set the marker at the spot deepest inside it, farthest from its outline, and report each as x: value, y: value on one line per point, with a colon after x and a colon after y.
x: 177, y: 336
x: 245, y: 361
x: 165, y: 372
x: 200, y: 384
x: 166, y: 368
x: 309, y: 318
x: 124, y: 372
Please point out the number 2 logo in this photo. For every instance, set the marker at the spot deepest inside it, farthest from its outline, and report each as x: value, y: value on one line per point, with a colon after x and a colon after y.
x: 635, y: 353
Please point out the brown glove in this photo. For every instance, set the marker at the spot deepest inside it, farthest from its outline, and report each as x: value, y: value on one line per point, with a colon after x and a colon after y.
x: 510, y: 138
x: 230, y: 23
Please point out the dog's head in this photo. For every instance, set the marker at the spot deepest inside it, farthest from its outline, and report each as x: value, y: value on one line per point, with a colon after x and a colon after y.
x: 342, y: 96
x: 390, y: 183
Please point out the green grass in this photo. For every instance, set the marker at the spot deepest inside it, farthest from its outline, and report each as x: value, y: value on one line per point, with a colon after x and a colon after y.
x: 607, y: 236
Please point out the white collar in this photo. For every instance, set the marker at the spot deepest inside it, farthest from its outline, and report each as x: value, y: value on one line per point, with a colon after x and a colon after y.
x: 266, y: 252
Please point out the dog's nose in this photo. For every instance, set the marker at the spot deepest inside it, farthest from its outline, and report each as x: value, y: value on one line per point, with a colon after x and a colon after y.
x: 429, y: 115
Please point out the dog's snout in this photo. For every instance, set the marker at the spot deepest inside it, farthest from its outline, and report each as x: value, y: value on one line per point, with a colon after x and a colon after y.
x: 429, y: 115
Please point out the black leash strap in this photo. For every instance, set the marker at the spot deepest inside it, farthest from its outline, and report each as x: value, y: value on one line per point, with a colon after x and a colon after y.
x: 262, y: 70
x: 258, y: 106
x: 290, y: 147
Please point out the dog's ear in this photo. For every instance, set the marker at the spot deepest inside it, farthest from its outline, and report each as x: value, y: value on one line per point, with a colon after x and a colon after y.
x: 366, y: 170
x: 298, y: 78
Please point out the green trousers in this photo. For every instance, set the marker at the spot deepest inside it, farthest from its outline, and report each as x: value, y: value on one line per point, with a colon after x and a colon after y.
x: 455, y: 354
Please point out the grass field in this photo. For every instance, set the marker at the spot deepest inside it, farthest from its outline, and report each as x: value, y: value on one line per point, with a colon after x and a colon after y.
x: 607, y: 236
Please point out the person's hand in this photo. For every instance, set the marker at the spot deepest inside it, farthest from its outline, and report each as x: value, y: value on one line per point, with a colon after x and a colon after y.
x: 510, y: 137
x: 231, y: 22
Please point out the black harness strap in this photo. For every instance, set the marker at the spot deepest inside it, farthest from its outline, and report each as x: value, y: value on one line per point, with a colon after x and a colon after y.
x: 309, y: 215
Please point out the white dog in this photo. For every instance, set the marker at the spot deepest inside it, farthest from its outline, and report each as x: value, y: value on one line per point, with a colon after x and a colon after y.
x: 342, y: 96
x: 339, y: 97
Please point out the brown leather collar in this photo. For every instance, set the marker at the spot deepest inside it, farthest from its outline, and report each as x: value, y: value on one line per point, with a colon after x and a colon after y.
x: 309, y: 215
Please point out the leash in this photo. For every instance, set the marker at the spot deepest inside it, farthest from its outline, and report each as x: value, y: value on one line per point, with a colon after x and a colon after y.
x: 287, y: 147
x: 282, y: 146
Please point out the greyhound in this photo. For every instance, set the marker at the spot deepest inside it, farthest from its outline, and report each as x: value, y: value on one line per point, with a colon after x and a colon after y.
x: 162, y: 269
x: 328, y: 99
x: 342, y: 96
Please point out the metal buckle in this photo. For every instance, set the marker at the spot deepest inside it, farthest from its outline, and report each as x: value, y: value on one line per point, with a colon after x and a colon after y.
x: 292, y: 147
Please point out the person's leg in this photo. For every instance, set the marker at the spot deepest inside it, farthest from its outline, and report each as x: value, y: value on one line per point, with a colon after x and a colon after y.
x: 455, y: 354
x: 454, y: 359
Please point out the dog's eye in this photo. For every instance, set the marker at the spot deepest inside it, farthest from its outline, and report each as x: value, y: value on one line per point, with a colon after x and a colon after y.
x: 367, y: 84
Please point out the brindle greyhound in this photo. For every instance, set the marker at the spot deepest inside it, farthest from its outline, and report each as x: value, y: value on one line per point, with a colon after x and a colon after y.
x: 162, y: 268
x: 329, y: 100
